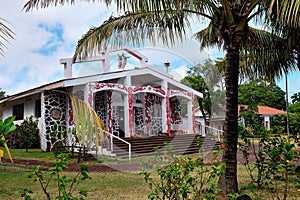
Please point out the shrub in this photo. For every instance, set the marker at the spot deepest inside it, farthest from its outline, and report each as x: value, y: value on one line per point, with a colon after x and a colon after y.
x: 275, y: 156
x: 25, y: 136
x: 182, y: 177
x: 67, y: 187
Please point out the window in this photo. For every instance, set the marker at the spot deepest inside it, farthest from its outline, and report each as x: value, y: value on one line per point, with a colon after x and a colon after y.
x: 18, y: 111
x: 37, y: 111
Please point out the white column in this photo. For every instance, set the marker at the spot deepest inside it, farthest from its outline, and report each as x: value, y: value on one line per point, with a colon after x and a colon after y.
x: 164, y: 86
x: 127, y: 83
x: 190, y: 117
x: 41, y: 125
x: 126, y: 116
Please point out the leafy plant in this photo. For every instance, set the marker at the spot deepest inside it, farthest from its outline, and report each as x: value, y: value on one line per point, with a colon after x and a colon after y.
x: 26, y: 135
x: 6, y: 127
x: 181, y: 177
x: 257, y: 170
x: 279, y: 124
x: 274, y: 156
x: 30, y: 133
x: 66, y: 187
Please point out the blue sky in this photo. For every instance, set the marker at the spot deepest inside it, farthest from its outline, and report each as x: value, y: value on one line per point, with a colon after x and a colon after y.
x: 45, y: 36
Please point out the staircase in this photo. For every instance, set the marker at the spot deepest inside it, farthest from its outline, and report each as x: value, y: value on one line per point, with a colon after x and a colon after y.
x: 181, y: 145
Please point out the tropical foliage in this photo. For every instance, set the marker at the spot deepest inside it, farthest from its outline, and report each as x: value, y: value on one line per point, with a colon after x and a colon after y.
x: 228, y: 28
x: 6, y: 127
x: 2, y: 94
x: 259, y: 92
x: 275, y: 159
x: 208, y: 79
x: 5, y: 34
x: 182, y: 177
x: 26, y: 135
x: 295, y: 97
x: 89, y: 127
x: 67, y: 187
x: 279, y: 123
x: 195, y: 80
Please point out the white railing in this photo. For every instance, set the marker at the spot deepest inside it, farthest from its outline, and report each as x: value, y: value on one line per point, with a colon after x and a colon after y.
x: 112, y: 144
x: 213, y: 131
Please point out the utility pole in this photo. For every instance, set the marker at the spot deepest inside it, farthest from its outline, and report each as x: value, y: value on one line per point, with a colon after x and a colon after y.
x: 287, y: 106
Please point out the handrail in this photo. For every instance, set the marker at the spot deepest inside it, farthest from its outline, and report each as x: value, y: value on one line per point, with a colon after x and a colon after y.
x: 213, y: 128
x: 111, y: 142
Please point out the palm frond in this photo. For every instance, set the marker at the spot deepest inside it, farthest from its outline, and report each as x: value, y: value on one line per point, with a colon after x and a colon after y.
x: 5, y: 34
x: 268, y: 57
x: 208, y: 37
x: 83, y: 120
x: 37, y: 4
x: 89, y: 127
x: 134, y: 28
x: 285, y: 11
x: 122, y: 5
x: 76, y: 115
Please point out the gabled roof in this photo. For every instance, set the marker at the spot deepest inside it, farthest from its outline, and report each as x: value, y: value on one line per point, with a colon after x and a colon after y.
x: 39, y: 89
x: 265, y: 110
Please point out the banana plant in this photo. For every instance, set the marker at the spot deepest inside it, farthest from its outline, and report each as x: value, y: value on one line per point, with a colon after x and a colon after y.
x: 6, y: 127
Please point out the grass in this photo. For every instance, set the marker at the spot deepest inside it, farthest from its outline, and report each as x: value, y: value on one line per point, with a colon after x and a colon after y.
x: 32, y: 154
x: 111, y: 185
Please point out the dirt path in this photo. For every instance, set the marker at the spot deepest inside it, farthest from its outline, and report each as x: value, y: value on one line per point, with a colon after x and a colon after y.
x: 101, y: 167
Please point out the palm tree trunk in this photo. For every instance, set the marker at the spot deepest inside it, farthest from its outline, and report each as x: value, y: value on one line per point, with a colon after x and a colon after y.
x: 228, y: 181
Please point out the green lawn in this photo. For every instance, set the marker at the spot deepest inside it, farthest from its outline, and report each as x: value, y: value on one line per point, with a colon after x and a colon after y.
x: 111, y: 185
x: 32, y: 154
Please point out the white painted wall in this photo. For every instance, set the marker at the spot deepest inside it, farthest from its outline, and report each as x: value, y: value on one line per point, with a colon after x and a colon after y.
x: 267, y: 121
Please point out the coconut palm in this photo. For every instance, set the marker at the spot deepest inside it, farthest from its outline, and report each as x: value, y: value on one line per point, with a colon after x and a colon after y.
x: 5, y: 34
x: 228, y: 28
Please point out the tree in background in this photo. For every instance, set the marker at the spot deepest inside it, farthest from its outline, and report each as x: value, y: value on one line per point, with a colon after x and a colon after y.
x: 295, y: 106
x: 195, y: 80
x: 295, y: 97
x: 257, y: 92
x: 207, y: 79
x: 294, y: 115
x: 2, y: 94
x: 228, y: 28
x: 214, y: 78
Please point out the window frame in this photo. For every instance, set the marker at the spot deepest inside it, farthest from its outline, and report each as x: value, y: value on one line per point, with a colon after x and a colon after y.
x: 18, y: 111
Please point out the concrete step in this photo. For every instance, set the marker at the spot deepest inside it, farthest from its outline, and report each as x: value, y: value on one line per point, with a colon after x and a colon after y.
x: 181, y: 145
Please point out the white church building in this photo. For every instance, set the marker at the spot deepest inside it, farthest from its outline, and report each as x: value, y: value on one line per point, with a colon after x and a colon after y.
x: 142, y: 101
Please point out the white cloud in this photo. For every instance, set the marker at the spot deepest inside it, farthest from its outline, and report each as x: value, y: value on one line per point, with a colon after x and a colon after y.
x: 25, y: 64
x: 179, y: 73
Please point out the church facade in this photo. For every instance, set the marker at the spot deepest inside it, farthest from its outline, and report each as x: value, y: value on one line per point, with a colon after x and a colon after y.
x: 139, y: 102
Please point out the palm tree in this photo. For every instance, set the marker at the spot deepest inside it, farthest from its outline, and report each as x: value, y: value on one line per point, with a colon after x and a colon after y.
x: 168, y: 21
x: 5, y: 34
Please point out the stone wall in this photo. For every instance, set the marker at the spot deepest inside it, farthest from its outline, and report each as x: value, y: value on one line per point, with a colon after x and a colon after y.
x: 55, y: 105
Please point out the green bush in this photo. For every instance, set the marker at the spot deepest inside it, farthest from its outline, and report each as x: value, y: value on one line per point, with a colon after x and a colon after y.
x: 182, y: 177
x: 279, y: 124
x: 26, y: 135
x: 275, y: 155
